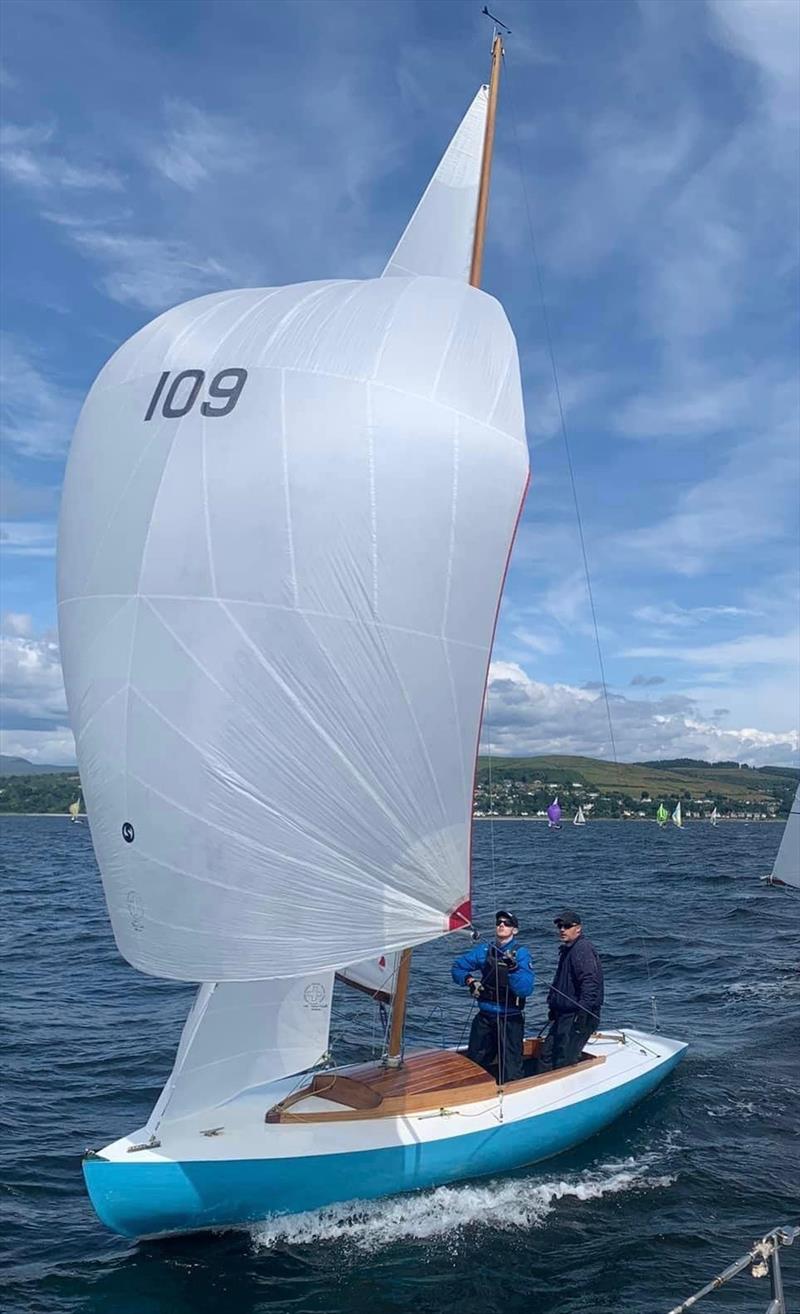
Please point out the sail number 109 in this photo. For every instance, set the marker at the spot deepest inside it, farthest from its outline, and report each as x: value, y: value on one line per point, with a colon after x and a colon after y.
x: 225, y: 388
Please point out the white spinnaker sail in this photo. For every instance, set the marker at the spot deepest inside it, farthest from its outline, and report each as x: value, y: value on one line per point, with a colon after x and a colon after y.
x: 241, y: 1034
x: 787, y: 863
x: 276, y: 618
x: 375, y: 976
x: 439, y: 237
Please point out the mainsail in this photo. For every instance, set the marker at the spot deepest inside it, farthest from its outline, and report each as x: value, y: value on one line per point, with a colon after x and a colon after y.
x: 677, y: 816
x: 439, y: 236
x: 786, y: 870
x: 286, y: 517
x: 714, y: 818
x: 375, y: 976
x: 75, y: 808
x: 579, y: 819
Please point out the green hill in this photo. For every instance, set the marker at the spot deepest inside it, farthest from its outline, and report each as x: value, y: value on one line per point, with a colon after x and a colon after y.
x: 48, y: 792
x: 729, y: 786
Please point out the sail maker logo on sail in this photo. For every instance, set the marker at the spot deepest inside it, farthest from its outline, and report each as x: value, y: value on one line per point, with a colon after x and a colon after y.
x: 315, y: 995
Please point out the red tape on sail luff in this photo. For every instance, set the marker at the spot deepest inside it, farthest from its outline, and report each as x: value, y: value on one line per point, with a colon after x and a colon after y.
x: 461, y: 916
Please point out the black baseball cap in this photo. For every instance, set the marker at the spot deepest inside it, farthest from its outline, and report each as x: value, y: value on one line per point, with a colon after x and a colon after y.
x: 569, y: 916
x: 508, y: 916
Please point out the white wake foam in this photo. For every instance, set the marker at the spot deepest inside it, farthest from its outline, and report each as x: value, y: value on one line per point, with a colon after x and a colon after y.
x: 442, y: 1213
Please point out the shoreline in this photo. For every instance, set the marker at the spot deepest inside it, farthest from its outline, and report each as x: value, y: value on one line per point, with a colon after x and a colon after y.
x: 690, y: 821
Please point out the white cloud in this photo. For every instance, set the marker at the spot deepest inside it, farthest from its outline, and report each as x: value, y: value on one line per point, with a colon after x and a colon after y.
x: 767, y: 33
x: 28, y: 538
x: 32, y: 685
x: 17, y: 623
x: 38, y: 411
x: 751, y: 500
x: 525, y: 716
x: 670, y: 615
x: 26, y: 159
x: 543, y: 643
x: 49, y: 747
x: 198, y: 147
x: 19, y: 500
x: 748, y: 650
x: 145, y: 271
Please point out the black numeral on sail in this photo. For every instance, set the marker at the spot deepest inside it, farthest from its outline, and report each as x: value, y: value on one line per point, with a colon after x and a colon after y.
x: 225, y: 387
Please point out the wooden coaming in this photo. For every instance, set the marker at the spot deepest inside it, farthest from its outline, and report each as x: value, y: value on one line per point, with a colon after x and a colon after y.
x: 432, y: 1079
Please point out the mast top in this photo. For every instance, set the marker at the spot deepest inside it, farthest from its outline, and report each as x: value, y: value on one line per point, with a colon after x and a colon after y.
x: 476, y: 266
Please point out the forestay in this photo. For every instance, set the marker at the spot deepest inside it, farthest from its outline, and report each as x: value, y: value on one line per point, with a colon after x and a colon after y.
x: 285, y: 522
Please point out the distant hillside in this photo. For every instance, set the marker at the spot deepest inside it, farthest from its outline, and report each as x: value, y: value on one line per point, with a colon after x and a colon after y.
x: 524, y: 786
x: 50, y: 791
x: 724, y: 783
x: 20, y: 766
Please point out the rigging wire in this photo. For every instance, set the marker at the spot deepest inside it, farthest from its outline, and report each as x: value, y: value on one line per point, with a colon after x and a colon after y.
x: 571, y: 469
x: 562, y: 417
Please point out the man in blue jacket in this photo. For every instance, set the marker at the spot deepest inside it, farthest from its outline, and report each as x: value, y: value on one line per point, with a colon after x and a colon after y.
x: 506, y: 980
x: 575, y: 998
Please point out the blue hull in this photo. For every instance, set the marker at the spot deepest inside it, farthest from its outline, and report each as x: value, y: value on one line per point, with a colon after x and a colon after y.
x: 148, y: 1199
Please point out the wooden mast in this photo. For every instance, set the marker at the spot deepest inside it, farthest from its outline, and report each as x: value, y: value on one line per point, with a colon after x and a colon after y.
x: 476, y: 268
x: 394, y: 1053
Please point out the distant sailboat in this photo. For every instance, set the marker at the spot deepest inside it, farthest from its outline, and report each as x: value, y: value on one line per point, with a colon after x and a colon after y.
x: 714, y: 818
x: 677, y: 818
x: 75, y: 810
x: 662, y: 816
x: 554, y: 815
x: 579, y: 819
x: 786, y: 870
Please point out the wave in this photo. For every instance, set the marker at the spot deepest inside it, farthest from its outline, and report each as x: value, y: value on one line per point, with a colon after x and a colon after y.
x: 444, y: 1212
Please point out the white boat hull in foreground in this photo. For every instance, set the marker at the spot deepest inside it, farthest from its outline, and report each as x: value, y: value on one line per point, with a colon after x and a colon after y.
x: 228, y: 1167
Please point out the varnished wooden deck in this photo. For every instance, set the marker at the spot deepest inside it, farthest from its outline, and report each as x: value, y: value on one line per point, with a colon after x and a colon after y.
x: 429, y: 1080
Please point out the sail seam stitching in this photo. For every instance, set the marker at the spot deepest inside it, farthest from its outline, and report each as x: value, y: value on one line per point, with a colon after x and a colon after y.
x: 286, y: 494
x: 311, y: 721
x: 277, y: 606
x: 373, y: 506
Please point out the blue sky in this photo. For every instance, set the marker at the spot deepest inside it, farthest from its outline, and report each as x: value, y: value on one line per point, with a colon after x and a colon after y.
x: 151, y: 153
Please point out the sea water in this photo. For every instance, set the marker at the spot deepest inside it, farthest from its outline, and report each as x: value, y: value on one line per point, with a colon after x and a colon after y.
x: 634, y: 1220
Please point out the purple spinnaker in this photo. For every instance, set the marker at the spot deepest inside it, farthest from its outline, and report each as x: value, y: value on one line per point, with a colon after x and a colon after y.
x: 554, y: 813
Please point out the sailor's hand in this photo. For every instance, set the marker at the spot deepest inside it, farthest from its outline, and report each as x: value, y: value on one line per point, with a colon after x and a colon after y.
x: 475, y: 987
x: 510, y: 959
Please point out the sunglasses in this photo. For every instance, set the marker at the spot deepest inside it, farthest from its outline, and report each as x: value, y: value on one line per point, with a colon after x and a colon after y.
x: 565, y: 926
x: 501, y: 921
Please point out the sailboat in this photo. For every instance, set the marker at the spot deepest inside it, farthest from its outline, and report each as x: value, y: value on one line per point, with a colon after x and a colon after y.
x: 74, y: 810
x: 786, y: 869
x: 662, y: 815
x: 714, y: 818
x: 278, y: 588
x: 579, y: 819
x: 677, y: 816
x: 554, y: 815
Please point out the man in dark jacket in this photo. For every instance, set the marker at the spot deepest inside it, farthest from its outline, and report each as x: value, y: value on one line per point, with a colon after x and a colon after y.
x: 575, y: 998
x: 506, y: 980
